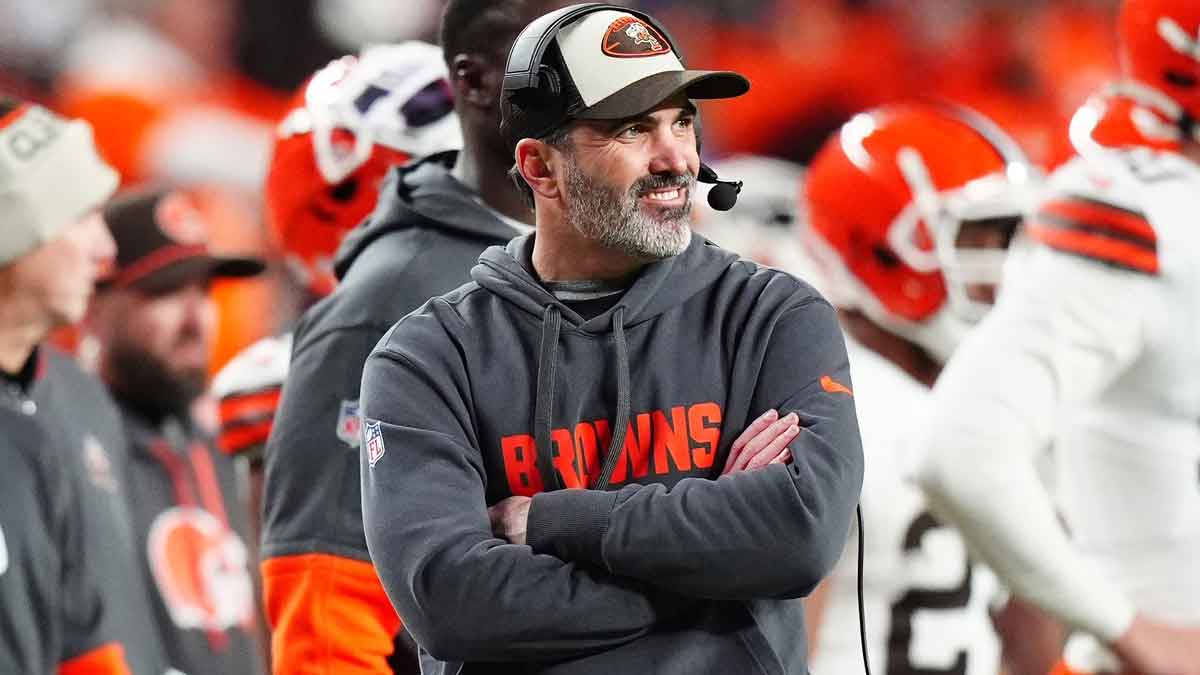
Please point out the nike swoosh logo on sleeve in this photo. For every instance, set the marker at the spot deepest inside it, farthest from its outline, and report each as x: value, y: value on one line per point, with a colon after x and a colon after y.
x: 834, y: 387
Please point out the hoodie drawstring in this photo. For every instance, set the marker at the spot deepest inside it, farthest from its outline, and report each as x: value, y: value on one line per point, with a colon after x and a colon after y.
x: 543, y: 409
x: 622, y: 422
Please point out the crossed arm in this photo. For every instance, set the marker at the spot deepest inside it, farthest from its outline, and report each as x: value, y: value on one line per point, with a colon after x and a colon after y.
x: 426, y: 523
x: 762, y: 443
x: 773, y: 532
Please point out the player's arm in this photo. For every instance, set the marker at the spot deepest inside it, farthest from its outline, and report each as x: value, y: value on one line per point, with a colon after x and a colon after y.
x: 1031, y: 640
x: 773, y: 532
x: 1063, y: 329
x: 464, y: 594
x: 323, y: 600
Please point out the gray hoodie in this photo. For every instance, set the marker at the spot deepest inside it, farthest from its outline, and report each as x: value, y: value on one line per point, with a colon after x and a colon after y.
x: 651, y: 563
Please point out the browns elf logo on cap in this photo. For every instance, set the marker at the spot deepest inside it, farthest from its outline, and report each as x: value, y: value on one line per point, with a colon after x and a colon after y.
x: 179, y: 220
x: 634, y: 69
x: 631, y: 37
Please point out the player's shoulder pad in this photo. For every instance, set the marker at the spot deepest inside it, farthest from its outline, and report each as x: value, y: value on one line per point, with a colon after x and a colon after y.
x: 1091, y: 209
x: 248, y: 390
x: 262, y: 365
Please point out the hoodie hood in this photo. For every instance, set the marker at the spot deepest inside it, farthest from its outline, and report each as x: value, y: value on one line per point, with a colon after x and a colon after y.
x: 658, y: 287
x: 422, y: 193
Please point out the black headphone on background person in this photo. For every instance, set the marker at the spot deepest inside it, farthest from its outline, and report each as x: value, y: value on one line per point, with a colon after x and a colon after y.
x: 541, y: 95
x: 535, y: 87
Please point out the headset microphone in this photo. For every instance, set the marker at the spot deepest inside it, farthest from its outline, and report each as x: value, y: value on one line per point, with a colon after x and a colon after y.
x: 724, y: 193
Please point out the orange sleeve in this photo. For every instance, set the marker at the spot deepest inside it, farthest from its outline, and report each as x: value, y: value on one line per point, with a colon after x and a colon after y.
x: 1063, y: 669
x: 106, y: 660
x: 328, y: 615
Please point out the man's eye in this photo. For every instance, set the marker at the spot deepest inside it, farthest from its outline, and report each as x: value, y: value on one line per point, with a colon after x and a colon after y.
x: 685, y: 123
x: 631, y: 132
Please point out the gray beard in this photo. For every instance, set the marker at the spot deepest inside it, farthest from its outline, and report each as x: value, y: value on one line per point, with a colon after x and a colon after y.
x: 600, y: 213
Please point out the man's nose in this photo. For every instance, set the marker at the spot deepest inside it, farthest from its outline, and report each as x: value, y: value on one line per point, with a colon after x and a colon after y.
x: 671, y: 154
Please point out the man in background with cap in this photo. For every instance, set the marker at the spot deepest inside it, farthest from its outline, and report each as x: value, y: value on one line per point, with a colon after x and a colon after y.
x: 73, y: 603
x: 153, y: 322
x: 615, y: 353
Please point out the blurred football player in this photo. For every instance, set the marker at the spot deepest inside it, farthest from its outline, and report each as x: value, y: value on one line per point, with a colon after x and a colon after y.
x: 350, y: 123
x: 1091, y: 349
x: 911, y: 209
x: 334, y: 147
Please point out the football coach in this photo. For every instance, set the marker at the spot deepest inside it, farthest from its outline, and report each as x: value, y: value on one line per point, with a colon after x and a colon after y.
x: 554, y: 472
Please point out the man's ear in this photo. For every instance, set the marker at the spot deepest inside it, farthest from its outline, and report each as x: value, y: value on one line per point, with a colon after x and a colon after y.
x: 533, y: 159
x: 475, y: 82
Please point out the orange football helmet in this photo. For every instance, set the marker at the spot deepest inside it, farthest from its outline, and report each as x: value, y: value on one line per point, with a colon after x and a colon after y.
x: 1109, y: 120
x: 353, y: 120
x: 1160, y: 56
x: 887, y: 196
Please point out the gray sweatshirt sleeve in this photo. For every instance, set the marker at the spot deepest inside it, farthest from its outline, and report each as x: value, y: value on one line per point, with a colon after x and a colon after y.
x: 464, y: 594
x: 772, y: 532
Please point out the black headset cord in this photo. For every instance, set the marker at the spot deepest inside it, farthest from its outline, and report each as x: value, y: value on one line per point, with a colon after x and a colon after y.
x: 862, y: 612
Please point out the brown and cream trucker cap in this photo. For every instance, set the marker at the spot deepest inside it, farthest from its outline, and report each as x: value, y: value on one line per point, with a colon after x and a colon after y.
x: 612, y: 64
x: 162, y: 243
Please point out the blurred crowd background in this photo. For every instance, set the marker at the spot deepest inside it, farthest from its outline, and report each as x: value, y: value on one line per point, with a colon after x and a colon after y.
x: 189, y: 91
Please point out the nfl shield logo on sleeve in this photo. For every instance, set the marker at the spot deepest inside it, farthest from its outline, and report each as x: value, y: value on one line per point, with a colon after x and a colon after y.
x: 349, y: 424
x: 373, y: 437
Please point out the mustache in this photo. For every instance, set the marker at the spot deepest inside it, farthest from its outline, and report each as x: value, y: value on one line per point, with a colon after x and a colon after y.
x: 661, y: 182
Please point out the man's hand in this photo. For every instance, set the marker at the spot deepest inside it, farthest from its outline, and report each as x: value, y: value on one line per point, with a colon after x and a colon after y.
x: 763, y: 442
x: 1031, y: 640
x: 1152, y: 648
x: 509, y: 518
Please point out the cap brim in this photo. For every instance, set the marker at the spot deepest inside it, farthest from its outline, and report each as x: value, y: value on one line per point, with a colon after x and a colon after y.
x: 650, y: 91
x: 201, y: 268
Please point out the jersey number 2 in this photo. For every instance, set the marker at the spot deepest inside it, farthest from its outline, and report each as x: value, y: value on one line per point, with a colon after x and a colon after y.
x: 923, y: 599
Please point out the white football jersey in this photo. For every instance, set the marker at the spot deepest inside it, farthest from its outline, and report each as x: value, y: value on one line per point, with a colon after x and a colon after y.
x: 1093, y: 349
x: 1129, y: 457
x: 926, y: 604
